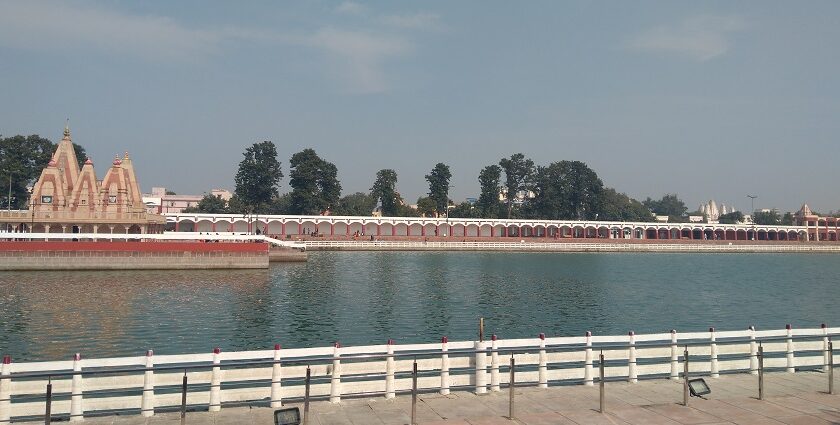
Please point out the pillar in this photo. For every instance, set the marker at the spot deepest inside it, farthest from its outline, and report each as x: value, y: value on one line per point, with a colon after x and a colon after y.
x: 495, y: 378
x: 335, y: 379
x: 542, y: 368
x: 753, y: 352
x: 216, y: 383
x: 76, y: 410
x: 492, y: 228
x: 791, y: 365
x: 147, y: 403
x: 390, y: 369
x: 632, y: 373
x: 826, y: 355
x: 283, y: 228
x: 276, y: 380
x: 394, y: 229
x: 444, y: 366
x: 713, y: 354
x: 6, y: 390
x: 451, y: 228
x: 332, y: 229
x: 675, y: 359
x: 587, y: 361
x: 378, y: 229
x: 177, y: 226
x: 480, y: 368
x: 422, y: 230
x: 300, y: 228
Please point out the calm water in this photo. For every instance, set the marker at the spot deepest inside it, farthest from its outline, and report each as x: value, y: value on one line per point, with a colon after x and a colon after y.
x: 365, y: 298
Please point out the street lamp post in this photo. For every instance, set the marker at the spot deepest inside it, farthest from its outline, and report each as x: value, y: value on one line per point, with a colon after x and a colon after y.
x: 752, y: 212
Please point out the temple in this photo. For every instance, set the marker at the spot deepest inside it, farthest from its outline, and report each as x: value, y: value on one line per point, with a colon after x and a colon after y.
x: 66, y: 199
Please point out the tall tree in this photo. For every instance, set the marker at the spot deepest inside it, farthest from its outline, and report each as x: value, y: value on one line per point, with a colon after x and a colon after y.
x: 518, y: 172
x: 788, y: 219
x: 670, y: 205
x: 258, y: 177
x: 615, y: 206
x: 356, y: 204
x: 314, y: 181
x: 426, y: 206
x: 384, y: 190
x: 439, y: 186
x: 488, y: 202
x: 767, y: 217
x: 21, y: 160
x: 734, y: 217
x: 567, y: 190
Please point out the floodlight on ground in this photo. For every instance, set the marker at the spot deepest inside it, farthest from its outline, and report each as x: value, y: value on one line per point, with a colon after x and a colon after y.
x: 288, y: 416
x: 698, y: 387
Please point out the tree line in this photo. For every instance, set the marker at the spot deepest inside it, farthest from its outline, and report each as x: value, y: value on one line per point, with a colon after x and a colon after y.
x: 515, y: 187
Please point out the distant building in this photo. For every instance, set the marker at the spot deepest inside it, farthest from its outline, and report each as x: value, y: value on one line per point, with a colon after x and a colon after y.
x: 818, y: 228
x: 661, y: 218
x: 159, y: 202
x: 711, y: 212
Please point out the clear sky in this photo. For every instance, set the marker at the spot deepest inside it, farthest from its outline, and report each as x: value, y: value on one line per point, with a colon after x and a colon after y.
x: 705, y: 99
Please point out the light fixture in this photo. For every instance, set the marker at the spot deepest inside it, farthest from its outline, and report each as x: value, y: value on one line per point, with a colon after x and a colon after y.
x: 698, y: 387
x: 287, y: 416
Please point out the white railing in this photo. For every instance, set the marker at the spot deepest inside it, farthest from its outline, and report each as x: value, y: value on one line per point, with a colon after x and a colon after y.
x: 166, y: 236
x: 566, y: 246
x: 151, y: 383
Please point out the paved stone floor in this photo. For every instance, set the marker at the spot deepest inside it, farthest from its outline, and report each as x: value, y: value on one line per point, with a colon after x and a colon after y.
x: 799, y: 398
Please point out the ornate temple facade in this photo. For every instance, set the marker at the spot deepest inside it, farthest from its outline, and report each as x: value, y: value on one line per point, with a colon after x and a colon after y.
x: 66, y: 199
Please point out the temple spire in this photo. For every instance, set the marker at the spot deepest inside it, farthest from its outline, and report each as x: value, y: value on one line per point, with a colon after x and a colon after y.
x: 67, y: 129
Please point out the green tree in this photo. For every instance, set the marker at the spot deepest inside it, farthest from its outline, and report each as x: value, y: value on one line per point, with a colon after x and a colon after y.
x: 566, y: 190
x: 767, y: 217
x: 356, y: 204
x: 384, y: 191
x: 170, y: 192
x: 518, y: 173
x: 21, y: 160
x: 314, y: 181
x: 734, y: 217
x: 426, y: 206
x: 439, y: 186
x: 210, y: 204
x: 670, y: 205
x: 615, y: 206
x: 788, y: 219
x: 258, y: 177
x: 463, y: 210
x: 490, y: 179
x: 281, y: 205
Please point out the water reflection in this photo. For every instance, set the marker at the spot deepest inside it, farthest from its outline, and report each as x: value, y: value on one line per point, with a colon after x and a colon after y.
x: 368, y: 297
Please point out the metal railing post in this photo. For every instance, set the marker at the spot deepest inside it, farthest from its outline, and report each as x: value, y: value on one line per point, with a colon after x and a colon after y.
x: 830, y: 367
x: 601, y: 382
x: 306, y: 395
x: 48, y: 407
x: 184, y: 398
x: 414, y: 393
x: 685, y: 377
x: 760, y: 372
x: 511, y: 387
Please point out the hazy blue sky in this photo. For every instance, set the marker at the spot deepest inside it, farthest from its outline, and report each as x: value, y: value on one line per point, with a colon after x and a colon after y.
x: 705, y: 99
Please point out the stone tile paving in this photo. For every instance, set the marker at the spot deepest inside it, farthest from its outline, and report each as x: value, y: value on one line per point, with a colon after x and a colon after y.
x: 791, y: 399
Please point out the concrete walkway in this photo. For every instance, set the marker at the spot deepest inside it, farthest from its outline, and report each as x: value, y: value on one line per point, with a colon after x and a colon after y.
x: 799, y: 398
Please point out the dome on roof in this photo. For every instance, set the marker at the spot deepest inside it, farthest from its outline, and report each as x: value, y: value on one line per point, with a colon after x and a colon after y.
x: 117, y: 161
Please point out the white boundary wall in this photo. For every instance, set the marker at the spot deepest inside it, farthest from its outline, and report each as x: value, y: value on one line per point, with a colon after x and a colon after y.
x: 442, y: 367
